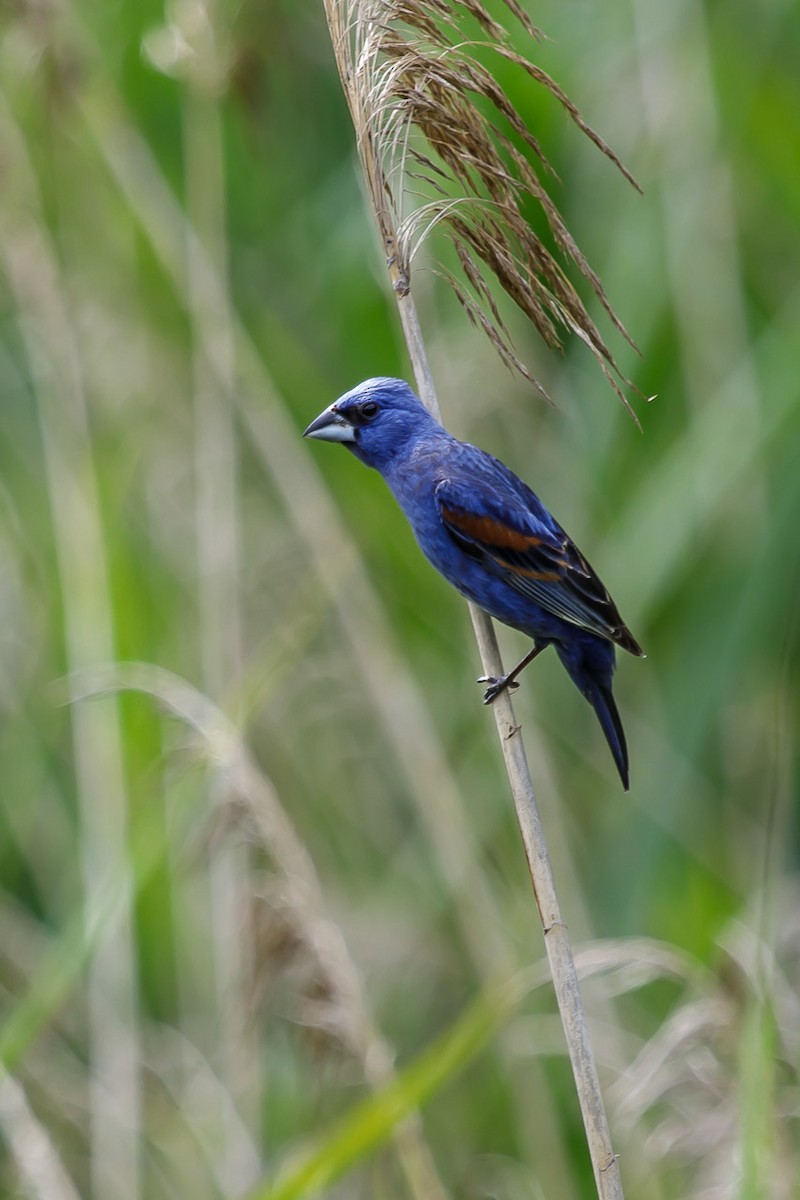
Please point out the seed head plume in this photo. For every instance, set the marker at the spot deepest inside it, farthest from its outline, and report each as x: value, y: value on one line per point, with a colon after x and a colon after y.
x: 441, y: 144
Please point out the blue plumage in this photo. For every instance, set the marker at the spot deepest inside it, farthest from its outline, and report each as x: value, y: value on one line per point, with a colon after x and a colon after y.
x: 491, y: 537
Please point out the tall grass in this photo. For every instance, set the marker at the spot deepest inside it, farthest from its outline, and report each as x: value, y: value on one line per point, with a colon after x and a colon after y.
x: 171, y: 243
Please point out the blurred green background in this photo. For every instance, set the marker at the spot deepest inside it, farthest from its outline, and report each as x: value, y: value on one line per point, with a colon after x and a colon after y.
x: 258, y: 861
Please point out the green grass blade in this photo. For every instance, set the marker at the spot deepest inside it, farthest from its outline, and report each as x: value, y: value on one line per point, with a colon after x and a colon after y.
x: 370, y: 1123
x: 756, y: 1107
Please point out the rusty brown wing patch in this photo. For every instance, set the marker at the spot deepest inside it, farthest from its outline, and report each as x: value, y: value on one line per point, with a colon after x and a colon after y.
x: 490, y: 533
x: 556, y: 576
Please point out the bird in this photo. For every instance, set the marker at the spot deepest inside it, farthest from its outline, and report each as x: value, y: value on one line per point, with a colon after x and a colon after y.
x: 492, y: 538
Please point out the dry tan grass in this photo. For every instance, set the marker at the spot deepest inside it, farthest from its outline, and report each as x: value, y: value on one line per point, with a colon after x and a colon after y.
x: 438, y: 135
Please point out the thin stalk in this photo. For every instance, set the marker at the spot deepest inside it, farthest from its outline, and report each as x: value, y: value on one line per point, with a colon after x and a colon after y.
x: 40, y: 1170
x: 48, y: 331
x: 556, y: 935
x: 559, y: 950
x: 218, y: 540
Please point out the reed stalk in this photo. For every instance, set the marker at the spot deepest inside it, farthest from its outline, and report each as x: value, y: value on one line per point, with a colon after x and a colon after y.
x: 411, y: 83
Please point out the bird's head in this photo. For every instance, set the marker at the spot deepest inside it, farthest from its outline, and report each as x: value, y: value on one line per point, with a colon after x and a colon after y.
x: 376, y: 421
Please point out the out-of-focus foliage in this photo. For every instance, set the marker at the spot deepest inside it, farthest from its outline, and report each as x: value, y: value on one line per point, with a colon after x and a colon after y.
x: 263, y: 895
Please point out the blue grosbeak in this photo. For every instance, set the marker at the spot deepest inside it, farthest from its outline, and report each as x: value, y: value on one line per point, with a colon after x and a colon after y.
x: 491, y: 537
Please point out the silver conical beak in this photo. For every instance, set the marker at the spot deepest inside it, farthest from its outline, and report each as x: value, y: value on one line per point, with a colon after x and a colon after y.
x: 331, y: 426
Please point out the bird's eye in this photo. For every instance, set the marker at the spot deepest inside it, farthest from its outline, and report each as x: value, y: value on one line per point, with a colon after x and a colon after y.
x: 369, y: 409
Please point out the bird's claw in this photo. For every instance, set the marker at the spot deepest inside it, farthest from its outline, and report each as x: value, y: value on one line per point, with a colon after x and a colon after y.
x: 496, y: 686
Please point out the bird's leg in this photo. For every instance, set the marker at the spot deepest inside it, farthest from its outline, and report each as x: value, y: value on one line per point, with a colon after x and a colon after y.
x: 496, y: 686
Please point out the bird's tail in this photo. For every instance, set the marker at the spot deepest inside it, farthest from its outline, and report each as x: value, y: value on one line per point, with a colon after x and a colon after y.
x: 603, y: 703
x: 590, y: 663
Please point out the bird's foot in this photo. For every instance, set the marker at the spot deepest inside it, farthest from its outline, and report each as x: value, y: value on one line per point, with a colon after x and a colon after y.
x: 496, y: 686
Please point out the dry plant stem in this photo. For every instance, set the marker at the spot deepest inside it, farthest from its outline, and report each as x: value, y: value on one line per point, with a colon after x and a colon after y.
x: 345, y: 20
x: 556, y: 934
x: 556, y: 937
x: 39, y: 1169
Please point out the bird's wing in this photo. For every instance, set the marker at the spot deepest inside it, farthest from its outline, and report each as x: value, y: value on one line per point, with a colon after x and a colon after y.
x: 533, y: 555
